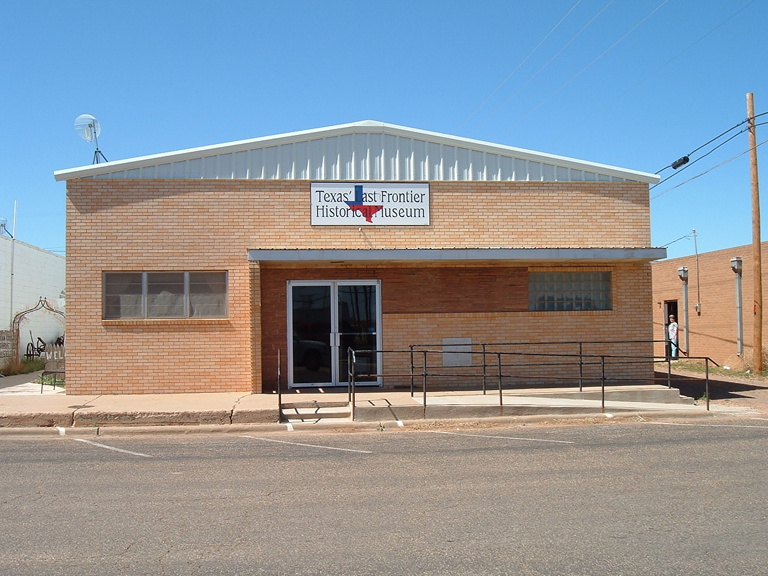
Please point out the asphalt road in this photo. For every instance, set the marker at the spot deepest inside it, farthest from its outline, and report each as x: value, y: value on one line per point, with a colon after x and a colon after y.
x: 644, y: 498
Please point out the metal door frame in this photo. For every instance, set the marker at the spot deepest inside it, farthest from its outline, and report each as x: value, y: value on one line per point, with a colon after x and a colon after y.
x: 336, y: 378
x: 669, y: 307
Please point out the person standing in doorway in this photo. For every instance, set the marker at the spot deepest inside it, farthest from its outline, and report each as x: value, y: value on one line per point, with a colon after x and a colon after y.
x: 672, y: 330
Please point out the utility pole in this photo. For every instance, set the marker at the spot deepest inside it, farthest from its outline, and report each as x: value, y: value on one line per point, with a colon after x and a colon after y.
x: 757, y: 266
x: 4, y: 228
x: 13, y: 247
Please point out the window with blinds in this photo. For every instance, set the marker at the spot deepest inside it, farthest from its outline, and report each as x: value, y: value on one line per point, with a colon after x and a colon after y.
x: 165, y: 295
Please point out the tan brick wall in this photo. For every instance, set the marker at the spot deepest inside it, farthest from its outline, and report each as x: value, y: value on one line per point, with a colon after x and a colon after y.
x: 713, y: 332
x: 629, y: 320
x: 146, y: 225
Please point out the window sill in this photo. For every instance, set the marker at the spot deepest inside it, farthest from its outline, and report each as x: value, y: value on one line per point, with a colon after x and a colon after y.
x: 167, y: 322
x: 609, y: 311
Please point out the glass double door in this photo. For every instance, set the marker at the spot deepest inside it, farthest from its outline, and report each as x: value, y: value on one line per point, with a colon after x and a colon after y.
x: 325, y: 318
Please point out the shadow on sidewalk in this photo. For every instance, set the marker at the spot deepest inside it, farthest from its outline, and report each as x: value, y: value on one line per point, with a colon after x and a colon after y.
x: 719, y: 389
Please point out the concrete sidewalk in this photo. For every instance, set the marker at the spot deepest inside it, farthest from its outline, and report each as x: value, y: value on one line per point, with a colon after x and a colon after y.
x: 23, y: 406
x: 55, y: 409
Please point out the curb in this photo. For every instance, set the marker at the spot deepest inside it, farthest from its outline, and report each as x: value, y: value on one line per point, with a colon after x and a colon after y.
x: 350, y: 426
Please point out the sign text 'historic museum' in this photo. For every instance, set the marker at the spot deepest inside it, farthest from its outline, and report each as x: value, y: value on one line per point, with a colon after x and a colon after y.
x: 369, y: 204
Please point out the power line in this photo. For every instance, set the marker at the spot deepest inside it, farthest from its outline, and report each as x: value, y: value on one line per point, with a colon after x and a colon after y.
x: 521, y: 63
x: 688, y: 165
x: 678, y: 240
x: 713, y: 139
x: 739, y: 124
x: 710, y: 170
x: 643, y: 81
x: 580, y: 72
x: 703, y: 145
x: 545, y: 65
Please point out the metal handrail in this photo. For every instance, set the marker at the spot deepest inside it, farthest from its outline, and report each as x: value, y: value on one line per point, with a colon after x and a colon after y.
x: 351, y: 362
x: 424, y: 374
x: 551, y: 343
x: 279, y: 389
x: 411, y: 349
x: 584, y: 360
x: 500, y: 375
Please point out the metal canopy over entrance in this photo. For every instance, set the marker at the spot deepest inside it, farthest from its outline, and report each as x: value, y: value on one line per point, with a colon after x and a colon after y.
x: 527, y: 255
x: 324, y: 319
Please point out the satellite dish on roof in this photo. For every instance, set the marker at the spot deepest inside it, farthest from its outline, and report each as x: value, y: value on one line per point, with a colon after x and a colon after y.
x: 88, y: 128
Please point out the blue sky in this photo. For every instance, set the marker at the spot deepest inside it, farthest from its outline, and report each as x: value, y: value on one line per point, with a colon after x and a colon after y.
x: 631, y: 83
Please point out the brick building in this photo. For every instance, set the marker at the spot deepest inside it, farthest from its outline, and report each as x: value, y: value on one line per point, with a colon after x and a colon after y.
x: 188, y: 271
x: 712, y: 329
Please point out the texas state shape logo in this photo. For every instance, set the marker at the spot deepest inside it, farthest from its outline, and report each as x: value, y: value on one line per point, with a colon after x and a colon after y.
x: 366, y: 210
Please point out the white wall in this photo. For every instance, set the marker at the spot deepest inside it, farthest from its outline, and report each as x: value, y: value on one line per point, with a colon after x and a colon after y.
x: 36, y: 273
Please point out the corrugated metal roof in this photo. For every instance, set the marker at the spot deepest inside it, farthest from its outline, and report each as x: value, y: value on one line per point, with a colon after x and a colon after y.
x: 361, y: 151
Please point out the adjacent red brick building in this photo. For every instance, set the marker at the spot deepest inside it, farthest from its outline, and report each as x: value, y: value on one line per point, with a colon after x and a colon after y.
x: 712, y: 330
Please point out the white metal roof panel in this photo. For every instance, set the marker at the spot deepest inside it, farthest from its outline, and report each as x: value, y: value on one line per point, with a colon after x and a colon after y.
x: 361, y: 151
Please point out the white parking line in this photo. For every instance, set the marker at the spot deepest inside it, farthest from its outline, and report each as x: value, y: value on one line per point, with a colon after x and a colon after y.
x: 112, y: 448
x: 706, y: 425
x: 502, y: 437
x: 308, y: 445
